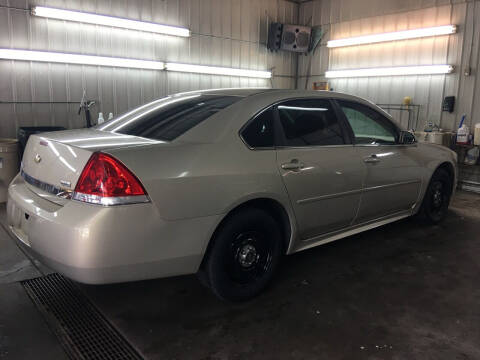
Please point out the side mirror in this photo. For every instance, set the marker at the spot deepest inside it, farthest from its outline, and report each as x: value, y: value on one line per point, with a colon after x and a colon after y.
x: 406, y: 138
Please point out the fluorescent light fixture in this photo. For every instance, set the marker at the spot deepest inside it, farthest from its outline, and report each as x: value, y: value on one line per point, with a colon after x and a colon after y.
x: 89, y: 18
x: 391, y: 71
x: 215, y: 70
x: 392, y: 36
x: 54, y: 57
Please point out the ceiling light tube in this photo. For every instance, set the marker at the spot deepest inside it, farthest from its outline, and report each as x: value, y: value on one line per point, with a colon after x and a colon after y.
x: 54, y: 57
x: 89, y: 18
x: 392, y: 36
x: 215, y: 70
x: 391, y: 71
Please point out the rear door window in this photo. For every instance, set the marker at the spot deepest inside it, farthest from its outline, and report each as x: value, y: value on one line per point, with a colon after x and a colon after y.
x: 309, y: 122
x: 167, y: 119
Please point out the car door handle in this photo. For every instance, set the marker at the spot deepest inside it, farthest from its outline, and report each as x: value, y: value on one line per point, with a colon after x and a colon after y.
x: 293, y: 165
x: 371, y: 159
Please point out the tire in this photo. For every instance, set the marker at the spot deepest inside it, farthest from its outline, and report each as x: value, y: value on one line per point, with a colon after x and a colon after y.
x: 437, y: 197
x: 243, y: 256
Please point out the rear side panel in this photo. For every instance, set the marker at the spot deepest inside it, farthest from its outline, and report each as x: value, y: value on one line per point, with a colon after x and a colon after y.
x: 195, y: 180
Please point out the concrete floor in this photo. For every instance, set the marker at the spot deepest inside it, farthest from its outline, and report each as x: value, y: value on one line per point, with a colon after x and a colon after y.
x: 23, y: 332
x: 402, y: 291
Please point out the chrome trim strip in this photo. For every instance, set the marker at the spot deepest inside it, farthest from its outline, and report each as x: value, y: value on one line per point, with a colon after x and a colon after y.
x: 329, y: 196
x: 110, y: 201
x: 385, y: 145
x: 373, y: 188
x: 357, y: 191
x: 49, y: 188
x: 314, y: 146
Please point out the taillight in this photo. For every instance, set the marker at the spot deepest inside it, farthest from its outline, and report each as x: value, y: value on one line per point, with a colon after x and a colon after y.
x: 106, y: 181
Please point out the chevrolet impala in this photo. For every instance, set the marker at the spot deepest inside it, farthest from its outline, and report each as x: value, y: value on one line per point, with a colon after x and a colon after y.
x: 222, y: 183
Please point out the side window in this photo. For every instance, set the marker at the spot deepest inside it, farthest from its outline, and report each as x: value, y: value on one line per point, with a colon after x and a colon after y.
x: 309, y: 122
x: 259, y: 132
x: 369, y: 126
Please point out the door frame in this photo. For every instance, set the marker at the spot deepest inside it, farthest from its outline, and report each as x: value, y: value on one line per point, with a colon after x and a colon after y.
x: 377, y: 146
x: 279, y: 136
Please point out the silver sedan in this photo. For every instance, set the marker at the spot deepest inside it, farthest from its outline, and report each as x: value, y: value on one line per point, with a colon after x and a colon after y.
x: 221, y: 183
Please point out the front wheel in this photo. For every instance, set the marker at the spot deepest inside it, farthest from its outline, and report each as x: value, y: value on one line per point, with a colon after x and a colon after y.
x: 437, y: 197
x: 243, y: 256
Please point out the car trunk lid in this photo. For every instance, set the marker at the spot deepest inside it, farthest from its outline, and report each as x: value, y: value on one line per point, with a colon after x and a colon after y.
x: 53, y: 162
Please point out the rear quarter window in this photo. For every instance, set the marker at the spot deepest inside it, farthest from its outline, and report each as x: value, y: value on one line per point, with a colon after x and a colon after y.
x: 259, y: 132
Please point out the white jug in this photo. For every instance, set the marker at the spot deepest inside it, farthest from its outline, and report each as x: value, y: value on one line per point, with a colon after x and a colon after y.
x: 462, y: 135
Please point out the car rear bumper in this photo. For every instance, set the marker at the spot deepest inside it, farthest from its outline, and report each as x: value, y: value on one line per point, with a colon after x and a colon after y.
x: 95, y: 244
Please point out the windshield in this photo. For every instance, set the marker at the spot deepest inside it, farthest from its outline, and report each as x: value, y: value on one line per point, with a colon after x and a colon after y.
x: 168, y: 118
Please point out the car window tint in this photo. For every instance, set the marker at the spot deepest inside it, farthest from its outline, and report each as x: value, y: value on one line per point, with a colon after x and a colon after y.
x: 309, y: 122
x: 168, y: 118
x: 259, y: 132
x: 369, y: 126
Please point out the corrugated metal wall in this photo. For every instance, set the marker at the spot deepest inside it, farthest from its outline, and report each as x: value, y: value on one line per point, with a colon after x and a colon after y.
x: 346, y: 18
x: 224, y: 33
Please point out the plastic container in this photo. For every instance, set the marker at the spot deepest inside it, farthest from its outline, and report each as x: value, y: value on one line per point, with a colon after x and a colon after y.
x: 476, y: 136
x: 24, y: 133
x: 9, y: 165
x: 471, y: 157
x: 100, y: 120
x: 463, y: 133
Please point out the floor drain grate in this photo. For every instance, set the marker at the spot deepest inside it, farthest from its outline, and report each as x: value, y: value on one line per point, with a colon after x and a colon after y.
x: 82, y: 329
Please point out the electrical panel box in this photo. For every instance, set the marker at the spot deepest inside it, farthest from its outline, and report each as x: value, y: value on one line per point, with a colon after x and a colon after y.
x: 448, y: 104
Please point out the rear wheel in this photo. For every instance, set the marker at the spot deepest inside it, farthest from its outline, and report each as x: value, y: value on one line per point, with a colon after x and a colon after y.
x: 437, y: 197
x: 244, y: 255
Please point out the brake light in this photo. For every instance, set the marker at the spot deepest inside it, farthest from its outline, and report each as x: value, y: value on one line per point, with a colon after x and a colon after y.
x: 106, y: 181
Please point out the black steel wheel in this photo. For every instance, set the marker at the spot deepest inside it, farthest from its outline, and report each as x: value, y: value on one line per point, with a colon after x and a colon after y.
x: 251, y: 254
x: 437, y: 197
x: 243, y: 256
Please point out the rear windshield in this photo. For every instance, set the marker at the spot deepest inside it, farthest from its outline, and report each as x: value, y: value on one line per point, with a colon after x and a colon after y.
x: 168, y: 118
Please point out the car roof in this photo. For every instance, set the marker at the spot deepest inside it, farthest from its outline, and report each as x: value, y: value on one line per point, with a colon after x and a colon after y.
x: 242, y: 92
x: 246, y: 92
